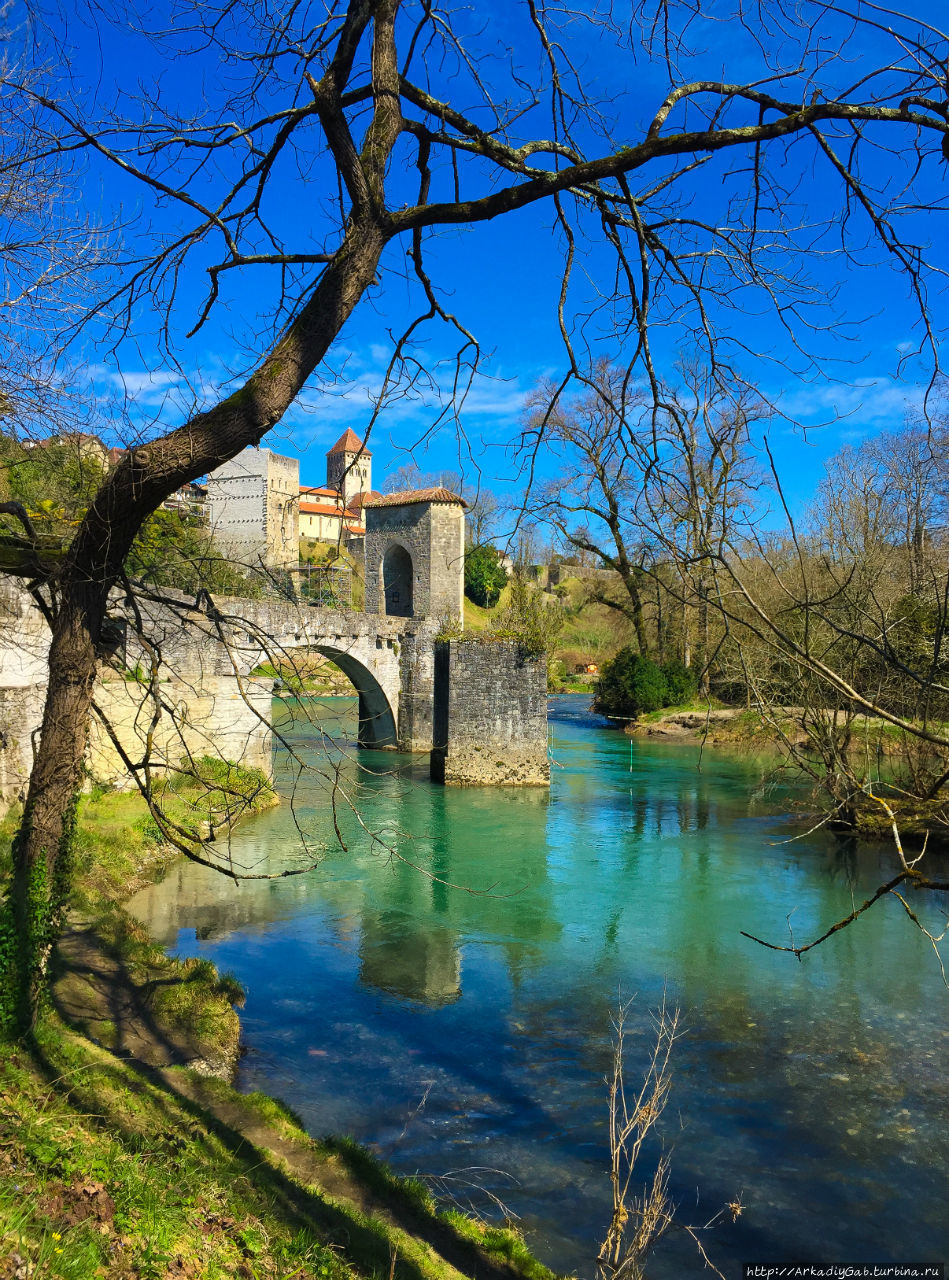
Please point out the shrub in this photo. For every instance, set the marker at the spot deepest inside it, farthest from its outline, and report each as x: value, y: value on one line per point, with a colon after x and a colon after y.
x: 680, y: 682
x: 485, y: 576
x: 630, y: 685
x: 528, y: 619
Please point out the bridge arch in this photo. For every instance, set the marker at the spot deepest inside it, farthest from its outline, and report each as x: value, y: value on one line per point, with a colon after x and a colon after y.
x: 378, y: 728
x: 396, y: 574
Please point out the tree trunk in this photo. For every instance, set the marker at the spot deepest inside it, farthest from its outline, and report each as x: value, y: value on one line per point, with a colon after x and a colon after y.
x: 636, y: 614
x: 43, y: 846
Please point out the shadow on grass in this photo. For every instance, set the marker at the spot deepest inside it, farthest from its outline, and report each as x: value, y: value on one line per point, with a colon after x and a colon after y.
x: 345, y: 1200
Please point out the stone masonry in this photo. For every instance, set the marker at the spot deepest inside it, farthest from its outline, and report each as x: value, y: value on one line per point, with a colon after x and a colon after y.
x: 479, y: 707
x: 254, y: 508
x: 490, y: 715
x: 428, y: 525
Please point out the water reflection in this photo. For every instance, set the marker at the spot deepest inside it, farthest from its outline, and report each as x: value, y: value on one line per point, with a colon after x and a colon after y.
x: 815, y: 1090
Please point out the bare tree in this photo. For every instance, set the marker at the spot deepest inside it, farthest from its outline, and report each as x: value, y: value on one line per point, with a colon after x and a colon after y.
x: 365, y: 97
x: 646, y: 491
x: 591, y: 507
x: 890, y: 491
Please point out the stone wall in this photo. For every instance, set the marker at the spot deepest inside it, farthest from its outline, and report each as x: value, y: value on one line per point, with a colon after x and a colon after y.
x: 253, y: 508
x: 206, y: 709
x: 490, y: 715
x: 447, y: 561
x: 283, y: 511
x: 433, y: 534
x: 24, y: 646
x: 222, y: 719
x: 416, y: 700
x: 21, y: 713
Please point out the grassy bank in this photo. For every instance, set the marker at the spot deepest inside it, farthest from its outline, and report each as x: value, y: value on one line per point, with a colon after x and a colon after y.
x: 122, y: 1154
x: 109, y: 1169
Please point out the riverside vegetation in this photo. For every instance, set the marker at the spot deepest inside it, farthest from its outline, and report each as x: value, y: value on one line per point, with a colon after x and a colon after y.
x: 793, y: 719
x: 124, y: 1152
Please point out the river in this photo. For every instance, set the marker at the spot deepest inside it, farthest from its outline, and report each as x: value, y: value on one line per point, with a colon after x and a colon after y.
x: 464, y: 1032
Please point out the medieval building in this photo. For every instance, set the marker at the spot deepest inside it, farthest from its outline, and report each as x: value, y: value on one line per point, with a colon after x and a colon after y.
x: 252, y: 508
x: 333, y: 512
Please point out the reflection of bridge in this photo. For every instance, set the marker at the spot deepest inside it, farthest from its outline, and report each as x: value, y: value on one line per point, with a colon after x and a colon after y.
x: 478, y: 708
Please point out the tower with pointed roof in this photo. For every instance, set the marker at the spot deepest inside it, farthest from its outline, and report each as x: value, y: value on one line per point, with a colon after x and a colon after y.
x: 349, y: 467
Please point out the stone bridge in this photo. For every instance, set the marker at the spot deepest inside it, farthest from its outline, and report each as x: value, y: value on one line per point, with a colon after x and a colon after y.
x: 389, y: 661
x: 180, y: 677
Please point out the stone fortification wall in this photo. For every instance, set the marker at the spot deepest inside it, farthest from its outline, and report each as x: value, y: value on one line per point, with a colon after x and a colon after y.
x: 221, y: 719
x: 490, y: 715
x: 407, y: 527
x: 283, y: 511
x: 21, y: 713
x: 24, y: 647
x: 417, y: 693
x: 204, y: 709
x: 237, y: 505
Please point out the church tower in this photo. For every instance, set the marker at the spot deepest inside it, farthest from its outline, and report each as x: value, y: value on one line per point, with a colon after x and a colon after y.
x: 349, y: 468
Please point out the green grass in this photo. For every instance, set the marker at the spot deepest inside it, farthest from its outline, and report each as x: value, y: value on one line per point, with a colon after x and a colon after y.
x: 208, y: 790
x: 502, y: 1242
x: 112, y: 1169
x: 477, y: 618
x: 105, y: 1171
x: 695, y: 707
x: 117, y: 846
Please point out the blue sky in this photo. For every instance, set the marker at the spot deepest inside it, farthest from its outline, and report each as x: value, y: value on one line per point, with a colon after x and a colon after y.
x: 502, y: 280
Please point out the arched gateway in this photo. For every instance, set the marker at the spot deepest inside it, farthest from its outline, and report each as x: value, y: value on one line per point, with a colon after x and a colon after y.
x: 415, y: 554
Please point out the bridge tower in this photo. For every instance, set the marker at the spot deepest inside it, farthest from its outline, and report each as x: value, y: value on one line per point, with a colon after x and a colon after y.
x: 415, y: 554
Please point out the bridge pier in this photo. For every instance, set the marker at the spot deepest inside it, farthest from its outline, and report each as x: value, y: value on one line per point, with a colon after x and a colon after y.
x: 490, y: 710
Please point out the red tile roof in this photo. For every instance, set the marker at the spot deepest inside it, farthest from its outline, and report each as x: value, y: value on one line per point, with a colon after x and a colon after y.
x: 349, y: 442
x: 415, y: 495
x: 317, y: 491
x: 319, y: 509
x: 359, y: 500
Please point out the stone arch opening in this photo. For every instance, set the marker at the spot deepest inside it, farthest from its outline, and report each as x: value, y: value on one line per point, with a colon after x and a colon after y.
x: 377, y: 726
x: 397, y: 577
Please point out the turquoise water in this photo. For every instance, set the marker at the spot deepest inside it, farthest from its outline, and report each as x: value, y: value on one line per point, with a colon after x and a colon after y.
x: 464, y: 1032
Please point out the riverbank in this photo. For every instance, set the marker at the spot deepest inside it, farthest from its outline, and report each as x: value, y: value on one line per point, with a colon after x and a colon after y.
x: 124, y: 1151
x: 746, y: 731
x: 716, y: 726
x: 111, y: 1168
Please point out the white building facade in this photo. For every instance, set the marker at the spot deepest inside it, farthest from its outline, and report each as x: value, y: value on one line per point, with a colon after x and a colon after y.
x: 253, y: 508
x: 333, y: 512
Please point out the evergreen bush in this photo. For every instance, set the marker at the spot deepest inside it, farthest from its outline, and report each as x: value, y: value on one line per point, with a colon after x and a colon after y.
x: 681, y: 683
x: 485, y: 575
x: 630, y: 685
